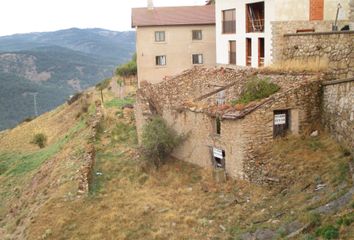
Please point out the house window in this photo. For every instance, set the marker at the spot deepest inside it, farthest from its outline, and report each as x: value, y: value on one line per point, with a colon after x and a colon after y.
x: 248, y: 51
x: 218, y: 125
x: 232, y: 52
x: 160, y: 60
x: 197, y: 35
x: 229, y: 21
x: 255, y: 17
x: 159, y: 36
x: 261, y: 52
x: 197, y: 58
x: 219, y: 158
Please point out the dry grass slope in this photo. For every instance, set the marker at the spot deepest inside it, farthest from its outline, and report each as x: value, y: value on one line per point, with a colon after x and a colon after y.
x: 179, y: 201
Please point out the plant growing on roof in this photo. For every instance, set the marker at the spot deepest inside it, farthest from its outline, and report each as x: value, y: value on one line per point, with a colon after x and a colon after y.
x: 256, y: 89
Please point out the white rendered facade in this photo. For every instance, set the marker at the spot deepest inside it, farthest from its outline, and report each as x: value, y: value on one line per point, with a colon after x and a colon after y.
x: 274, y: 10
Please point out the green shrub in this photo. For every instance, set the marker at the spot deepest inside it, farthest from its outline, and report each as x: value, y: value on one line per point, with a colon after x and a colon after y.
x: 128, y: 69
x: 328, y: 232
x: 103, y: 84
x: 256, y: 89
x: 158, y: 141
x: 346, y: 220
x: 40, y: 139
x: 74, y: 98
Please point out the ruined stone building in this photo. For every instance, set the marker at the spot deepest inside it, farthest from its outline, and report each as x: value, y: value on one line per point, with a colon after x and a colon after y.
x: 251, y: 32
x: 172, y: 39
x: 236, y: 138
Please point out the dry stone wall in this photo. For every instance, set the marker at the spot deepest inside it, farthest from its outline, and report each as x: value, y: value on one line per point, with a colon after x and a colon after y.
x: 338, y: 110
x: 246, y: 141
x: 331, y: 51
x: 85, y: 172
x: 323, y: 49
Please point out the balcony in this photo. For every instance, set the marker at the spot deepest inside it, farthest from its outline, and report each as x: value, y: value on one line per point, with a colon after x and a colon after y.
x: 255, y: 25
x: 255, y: 17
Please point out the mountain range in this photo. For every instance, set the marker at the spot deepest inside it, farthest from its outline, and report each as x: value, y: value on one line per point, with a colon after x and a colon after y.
x: 55, y: 65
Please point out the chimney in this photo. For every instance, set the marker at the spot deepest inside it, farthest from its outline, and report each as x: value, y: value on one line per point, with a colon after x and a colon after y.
x: 150, y: 4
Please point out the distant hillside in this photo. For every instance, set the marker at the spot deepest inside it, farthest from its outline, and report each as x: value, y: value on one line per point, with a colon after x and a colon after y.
x: 113, y: 46
x: 55, y: 65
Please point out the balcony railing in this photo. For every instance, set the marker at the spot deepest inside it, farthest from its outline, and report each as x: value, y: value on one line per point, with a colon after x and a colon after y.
x: 255, y: 25
x: 261, y: 62
x: 232, y: 58
x: 229, y: 26
x: 249, y: 61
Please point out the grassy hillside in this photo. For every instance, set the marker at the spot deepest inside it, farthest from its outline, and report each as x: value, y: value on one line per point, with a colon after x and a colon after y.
x: 39, y: 199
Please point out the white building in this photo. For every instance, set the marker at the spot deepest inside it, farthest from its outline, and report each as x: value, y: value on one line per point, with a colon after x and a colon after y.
x: 245, y: 28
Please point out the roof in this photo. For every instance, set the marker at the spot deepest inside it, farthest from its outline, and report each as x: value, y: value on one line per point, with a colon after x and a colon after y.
x: 169, y: 16
x: 197, y: 90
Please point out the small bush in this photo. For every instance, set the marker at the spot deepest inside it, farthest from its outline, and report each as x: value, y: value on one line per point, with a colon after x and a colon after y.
x: 74, y: 98
x: 40, y: 139
x: 103, y: 84
x: 27, y: 119
x: 158, y: 141
x: 256, y: 89
x: 328, y: 232
x: 128, y: 69
x: 346, y: 220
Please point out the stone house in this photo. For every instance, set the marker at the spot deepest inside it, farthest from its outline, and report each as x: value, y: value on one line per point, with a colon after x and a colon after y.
x: 251, y: 32
x: 236, y: 138
x: 170, y: 40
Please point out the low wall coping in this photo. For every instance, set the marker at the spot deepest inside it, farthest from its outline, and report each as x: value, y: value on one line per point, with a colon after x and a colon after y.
x: 318, y: 33
x: 339, y: 81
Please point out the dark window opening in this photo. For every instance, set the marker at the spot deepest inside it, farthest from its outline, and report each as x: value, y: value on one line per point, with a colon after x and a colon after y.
x: 219, y: 158
x: 248, y: 51
x: 261, y: 52
x: 218, y: 125
x: 281, y: 123
x: 197, y: 35
x: 232, y: 52
x: 159, y: 36
x: 160, y: 60
x: 255, y: 17
x: 229, y: 21
x: 197, y: 58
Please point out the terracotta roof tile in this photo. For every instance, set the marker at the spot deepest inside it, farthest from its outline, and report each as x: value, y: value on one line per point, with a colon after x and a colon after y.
x: 167, y: 16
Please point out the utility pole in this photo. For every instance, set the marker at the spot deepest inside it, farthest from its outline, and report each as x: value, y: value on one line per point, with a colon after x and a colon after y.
x: 35, y: 103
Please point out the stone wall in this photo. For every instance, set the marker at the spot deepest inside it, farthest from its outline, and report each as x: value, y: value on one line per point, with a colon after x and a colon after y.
x: 338, y: 110
x: 330, y: 51
x: 86, y: 170
x: 247, y: 142
x: 322, y: 49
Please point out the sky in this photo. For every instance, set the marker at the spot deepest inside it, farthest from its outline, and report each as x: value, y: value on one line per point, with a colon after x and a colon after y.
x: 23, y: 16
